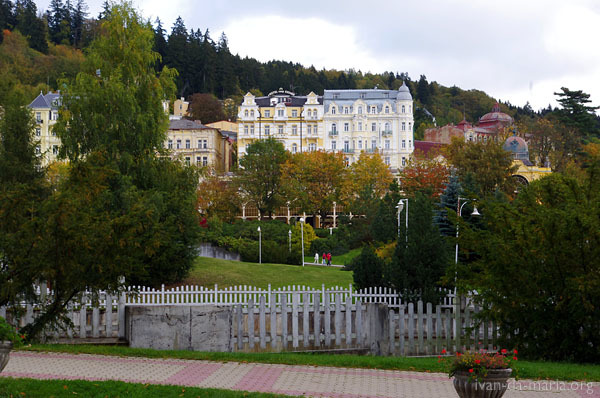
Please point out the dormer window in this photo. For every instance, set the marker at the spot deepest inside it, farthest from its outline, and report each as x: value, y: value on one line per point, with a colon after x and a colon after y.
x: 336, y: 96
x: 267, y: 113
x: 294, y: 113
x: 362, y: 95
x: 252, y: 113
x: 403, y: 109
x: 360, y: 110
x: 387, y: 109
x: 333, y: 110
x: 246, y: 113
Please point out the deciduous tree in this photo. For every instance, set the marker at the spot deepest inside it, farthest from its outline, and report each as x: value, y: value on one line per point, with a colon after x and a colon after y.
x: 424, y: 173
x: 206, y: 108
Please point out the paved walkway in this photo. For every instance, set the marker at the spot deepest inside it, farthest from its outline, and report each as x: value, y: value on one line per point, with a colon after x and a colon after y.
x: 282, y: 379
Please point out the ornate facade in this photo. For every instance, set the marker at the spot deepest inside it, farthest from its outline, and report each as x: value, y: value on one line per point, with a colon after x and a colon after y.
x: 45, y: 112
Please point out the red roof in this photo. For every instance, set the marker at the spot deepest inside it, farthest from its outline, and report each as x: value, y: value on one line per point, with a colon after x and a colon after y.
x: 427, y: 147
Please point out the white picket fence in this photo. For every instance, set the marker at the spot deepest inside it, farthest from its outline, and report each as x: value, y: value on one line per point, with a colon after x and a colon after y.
x: 199, y: 295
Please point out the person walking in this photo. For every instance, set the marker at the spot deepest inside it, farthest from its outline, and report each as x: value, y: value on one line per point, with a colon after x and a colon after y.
x: 316, y: 258
x: 324, y: 258
x: 329, y: 259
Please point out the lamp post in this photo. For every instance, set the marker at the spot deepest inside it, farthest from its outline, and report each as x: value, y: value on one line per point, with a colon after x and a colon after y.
x: 259, y: 246
x: 290, y: 240
x: 302, y: 238
x: 460, y: 207
x: 400, y: 207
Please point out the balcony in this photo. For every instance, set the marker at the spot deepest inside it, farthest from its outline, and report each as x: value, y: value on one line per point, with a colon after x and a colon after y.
x: 386, y: 133
x: 348, y: 150
x: 333, y: 133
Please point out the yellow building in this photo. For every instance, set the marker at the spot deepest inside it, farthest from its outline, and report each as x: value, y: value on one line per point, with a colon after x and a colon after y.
x: 296, y: 121
x: 180, y: 107
x: 45, y: 113
x: 195, y: 143
x: 527, y: 171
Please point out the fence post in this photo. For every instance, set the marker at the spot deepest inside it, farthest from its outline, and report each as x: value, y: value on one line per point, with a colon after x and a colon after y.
x: 317, y: 319
x: 359, y: 325
x: 240, y: 327
x: 273, y: 309
x: 83, y: 318
x: 250, y: 322
x: 95, y: 320
x: 262, y: 322
x: 457, y: 323
x: 411, y: 330
x: 295, y: 297
x: 438, y: 329
x: 284, y: 321
x: 305, y: 320
x: 401, y: 328
x: 327, y: 319
x: 391, y: 333
x: 430, y: 343
x: 420, y: 326
x: 349, y: 319
x: 108, y: 314
x: 338, y: 320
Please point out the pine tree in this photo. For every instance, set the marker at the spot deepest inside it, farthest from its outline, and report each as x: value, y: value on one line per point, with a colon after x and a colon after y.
x: 6, y: 17
x: 448, y: 201
x: 160, y: 43
x: 31, y: 26
x: 78, y: 15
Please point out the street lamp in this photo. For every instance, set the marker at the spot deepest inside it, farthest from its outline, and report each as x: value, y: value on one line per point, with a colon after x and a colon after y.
x: 259, y: 246
x: 302, y: 237
x: 474, y: 213
x: 400, y: 207
x: 290, y: 240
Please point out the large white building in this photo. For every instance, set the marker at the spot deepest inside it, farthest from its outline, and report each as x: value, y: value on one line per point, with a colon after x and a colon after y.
x: 373, y: 120
x: 347, y: 121
x: 45, y: 111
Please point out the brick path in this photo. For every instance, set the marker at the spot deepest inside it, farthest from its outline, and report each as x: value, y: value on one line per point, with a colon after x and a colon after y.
x: 282, y: 379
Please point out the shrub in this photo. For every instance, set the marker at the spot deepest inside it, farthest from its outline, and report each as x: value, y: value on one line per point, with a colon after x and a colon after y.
x: 8, y: 333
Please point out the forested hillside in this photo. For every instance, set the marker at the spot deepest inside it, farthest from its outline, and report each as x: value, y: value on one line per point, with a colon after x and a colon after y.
x: 37, y: 50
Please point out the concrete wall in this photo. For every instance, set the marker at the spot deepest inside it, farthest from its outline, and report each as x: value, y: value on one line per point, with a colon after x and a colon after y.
x: 170, y: 327
x: 208, y: 250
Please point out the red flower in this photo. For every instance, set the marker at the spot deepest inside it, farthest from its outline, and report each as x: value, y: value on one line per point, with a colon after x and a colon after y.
x: 515, y: 351
x: 477, y: 361
x: 514, y: 358
x: 444, y: 351
x: 503, y: 351
x: 471, y: 370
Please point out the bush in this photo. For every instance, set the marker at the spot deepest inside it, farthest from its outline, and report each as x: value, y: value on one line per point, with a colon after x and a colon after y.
x: 331, y: 244
x: 368, y: 269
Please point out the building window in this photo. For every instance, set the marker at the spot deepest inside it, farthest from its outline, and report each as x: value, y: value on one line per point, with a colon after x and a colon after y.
x: 309, y: 113
x: 403, y: 109
x: 280, y: 112
x: 386, y: 160
x: 410, y: 108
x: 267, y: 130
x: 315, y: 129
x: 294, y: 129
x: 246, y: 113
x: 199, y: 144
x: 294, y: 148
x: 198, y: 161
x: 312, y: 147
x: 333, y: 145
x: 246, y: 129
x: 346, y: 127
x: 38, y: 150
x: 38, y: 131
x: 170, y: 144
x: 334, y: 127
x: 178, y: 144
x: 333, y: 110
x: 387, y: 144
x: 360, y: 110
x: 373, y: 144
x: 409, y: 143
x: 410, y: 126
x: 252, y: 113
x: 38, y: 117
x: 403, y: 144
x: 294, y: 113
x: 335, y: 96
x: 403, y: 161
x: 359, y: 144
x: 280, y: 129
x: 54, y: 115
x: 346, y: 110
x: 403, y: 126
x: 359, y: 126
x: 387, y: 109
x: 53, y: 133
x: 204, y: 144
x: 267, y: 113
x: 55, y: 149
x: 309, y: 129
x: 187, y: 160
x: 346, y: 146
x: 362, y: 95
x: 387, y: 128
x: 204, y: 161
x: 187, y: 144
x: 373, y: 126
x: 252, y: 129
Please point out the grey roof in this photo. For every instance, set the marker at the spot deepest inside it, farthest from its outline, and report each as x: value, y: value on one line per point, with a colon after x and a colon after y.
x: 371, y: 97
x: 403, y: 93
x: 48, y: 101
x: 296, y: 100
x: 185, y: 124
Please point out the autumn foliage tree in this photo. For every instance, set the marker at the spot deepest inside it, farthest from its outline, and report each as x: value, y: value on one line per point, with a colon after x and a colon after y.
x: 206, y: 108
x: 425, y: 174
x: 316, y: 179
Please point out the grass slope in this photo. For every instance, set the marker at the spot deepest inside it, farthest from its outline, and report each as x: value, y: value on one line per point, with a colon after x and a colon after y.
x: 208, y: 271
x: 342, y: 259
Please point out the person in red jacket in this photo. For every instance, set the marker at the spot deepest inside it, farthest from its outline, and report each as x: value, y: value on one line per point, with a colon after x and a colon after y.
x: 328, y: 259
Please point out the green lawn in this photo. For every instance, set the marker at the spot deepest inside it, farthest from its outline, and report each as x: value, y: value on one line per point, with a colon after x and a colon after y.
x: 208, y: 271
x: 525, y: 369
x: 342, y: 259
x: 69, y: 388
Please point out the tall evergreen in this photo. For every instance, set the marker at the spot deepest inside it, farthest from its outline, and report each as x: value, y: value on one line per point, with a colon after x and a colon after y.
x: 177, y: 52
x: 448, y: 201
x: 160, y: 43
x: 78, y: 16
x: 7, y: 18
x: 32, y: 27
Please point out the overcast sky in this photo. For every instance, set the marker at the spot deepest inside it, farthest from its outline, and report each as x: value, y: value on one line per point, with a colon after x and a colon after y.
x: 514, y: 50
